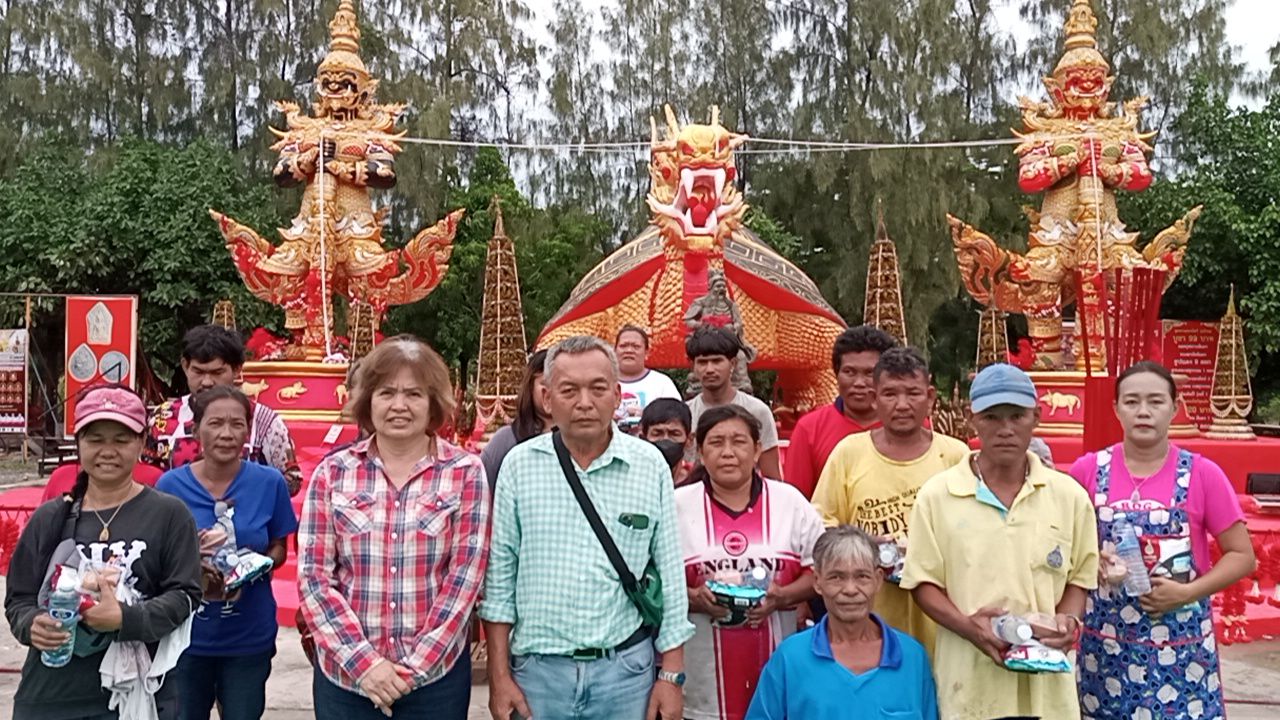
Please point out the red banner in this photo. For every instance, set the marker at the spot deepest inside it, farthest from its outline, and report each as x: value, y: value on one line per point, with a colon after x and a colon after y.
x: 1191, y: 349
x: 101, y: 342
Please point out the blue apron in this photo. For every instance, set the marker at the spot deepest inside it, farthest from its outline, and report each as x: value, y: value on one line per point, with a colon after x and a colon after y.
x: 1136, y: 667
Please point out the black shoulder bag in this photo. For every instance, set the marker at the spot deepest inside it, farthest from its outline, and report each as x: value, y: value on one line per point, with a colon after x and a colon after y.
x: 645, y: 593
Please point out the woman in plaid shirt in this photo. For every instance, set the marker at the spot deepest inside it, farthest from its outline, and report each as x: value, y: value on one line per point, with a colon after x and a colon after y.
x: 392, y: 549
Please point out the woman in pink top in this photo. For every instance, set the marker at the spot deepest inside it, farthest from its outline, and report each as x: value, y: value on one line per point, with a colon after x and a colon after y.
x: 1155, y: 655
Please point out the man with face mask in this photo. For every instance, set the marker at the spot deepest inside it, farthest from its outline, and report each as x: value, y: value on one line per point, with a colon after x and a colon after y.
x: 213, y: 355
x: 872, y: 478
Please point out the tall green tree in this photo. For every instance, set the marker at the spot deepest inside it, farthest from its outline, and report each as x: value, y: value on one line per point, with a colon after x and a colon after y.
x: 1231, y: 167
x: 133, y: 220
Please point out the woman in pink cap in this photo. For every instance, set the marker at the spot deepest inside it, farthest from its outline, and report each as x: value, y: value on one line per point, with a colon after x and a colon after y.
x: 133, y: 551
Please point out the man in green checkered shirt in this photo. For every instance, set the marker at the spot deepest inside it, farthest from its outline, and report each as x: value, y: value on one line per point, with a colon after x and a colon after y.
x: 565, y: 642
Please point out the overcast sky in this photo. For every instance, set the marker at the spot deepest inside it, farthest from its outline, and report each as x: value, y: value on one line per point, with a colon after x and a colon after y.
x: 1252, y: 25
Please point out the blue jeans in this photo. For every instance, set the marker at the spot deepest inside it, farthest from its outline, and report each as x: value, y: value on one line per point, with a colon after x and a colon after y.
x: 616, y: 687
x: 238, y: 684
x: 445, y: 699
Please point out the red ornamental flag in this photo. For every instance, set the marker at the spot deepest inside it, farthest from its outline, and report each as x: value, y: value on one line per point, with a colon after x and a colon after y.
x: 101, y: 345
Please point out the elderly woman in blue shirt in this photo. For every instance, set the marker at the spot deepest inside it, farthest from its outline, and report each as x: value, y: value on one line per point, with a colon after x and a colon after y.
x: 851, y: 664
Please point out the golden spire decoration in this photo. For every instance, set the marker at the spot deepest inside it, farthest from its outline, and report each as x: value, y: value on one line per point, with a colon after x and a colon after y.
x: 1082, y: 25
x: 1231, y: 398
x: 993, y: 338
x: 1081, y: 45
x: 362, y: 327
x: 883, y: 304
x: 344, y: 43
x: 503, y: 348
x: 224, y: 314
x: 344, y: 32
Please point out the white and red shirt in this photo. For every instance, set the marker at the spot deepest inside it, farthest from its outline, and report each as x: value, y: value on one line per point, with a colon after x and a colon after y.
x: 777, y: 531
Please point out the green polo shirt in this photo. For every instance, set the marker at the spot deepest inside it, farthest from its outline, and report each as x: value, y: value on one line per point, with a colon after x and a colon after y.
x: 548, y: 575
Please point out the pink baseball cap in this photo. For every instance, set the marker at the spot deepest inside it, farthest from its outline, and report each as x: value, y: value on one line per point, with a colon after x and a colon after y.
x: 111, y: 403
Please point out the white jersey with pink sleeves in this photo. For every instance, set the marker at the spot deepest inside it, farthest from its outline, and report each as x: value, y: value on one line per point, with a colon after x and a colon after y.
x: 777, y: 532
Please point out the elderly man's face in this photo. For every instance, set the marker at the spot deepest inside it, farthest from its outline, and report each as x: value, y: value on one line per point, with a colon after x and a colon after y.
x: 581, y: 394
x: 848, y: 588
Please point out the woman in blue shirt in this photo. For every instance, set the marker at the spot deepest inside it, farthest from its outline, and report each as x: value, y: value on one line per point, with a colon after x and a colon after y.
x: 233, y: 637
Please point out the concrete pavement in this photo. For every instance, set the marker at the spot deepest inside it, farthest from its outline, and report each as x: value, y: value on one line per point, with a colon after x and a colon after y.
x: 1251, y: 678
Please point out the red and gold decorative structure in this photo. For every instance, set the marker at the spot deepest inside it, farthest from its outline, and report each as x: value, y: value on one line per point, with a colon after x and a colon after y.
x: 696, y: 226
x: 1078, y: 149
x: 882, y: 307
x: 339, y: 153
x: 503, y: 348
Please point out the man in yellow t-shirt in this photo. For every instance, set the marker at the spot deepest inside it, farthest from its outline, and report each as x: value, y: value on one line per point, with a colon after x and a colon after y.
x: 871, y: 478
x: 997, y: 533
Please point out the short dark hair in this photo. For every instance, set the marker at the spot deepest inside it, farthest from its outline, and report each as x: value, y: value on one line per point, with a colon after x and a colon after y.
x: 635, y: 329
x: 722, y: 413
x: 707, y: 341
x: 201, y: 401
x: 666, y: 410
x: 901, y: 362
x: 1148, y: 366
x: 863, y: 338
x: 206, y: 343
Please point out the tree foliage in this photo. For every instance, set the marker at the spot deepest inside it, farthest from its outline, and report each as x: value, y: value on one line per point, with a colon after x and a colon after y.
x: 126, y: 120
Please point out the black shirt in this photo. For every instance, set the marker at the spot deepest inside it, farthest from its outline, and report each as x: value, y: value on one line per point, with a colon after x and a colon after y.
x: 156, y: 536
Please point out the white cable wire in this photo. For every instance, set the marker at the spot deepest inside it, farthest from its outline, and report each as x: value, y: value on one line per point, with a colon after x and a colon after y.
x: 787, y: 145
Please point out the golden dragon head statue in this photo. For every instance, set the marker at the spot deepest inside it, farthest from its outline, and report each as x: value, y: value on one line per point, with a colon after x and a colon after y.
x: 343, y: 86
x: 692, y: 196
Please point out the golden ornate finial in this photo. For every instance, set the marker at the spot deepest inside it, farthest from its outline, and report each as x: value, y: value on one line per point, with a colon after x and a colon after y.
x: 1082, y: 26
x: 344, y: 33
x: 882, y: 233
x: 1081, y: 43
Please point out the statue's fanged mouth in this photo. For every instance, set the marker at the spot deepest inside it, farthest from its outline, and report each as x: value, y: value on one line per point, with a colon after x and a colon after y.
x: 699, y: 200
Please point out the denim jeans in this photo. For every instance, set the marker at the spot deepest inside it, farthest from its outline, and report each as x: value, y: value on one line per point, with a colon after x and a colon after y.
x: 616, y: 687
x: 445, y: 699
x: 238, y: 684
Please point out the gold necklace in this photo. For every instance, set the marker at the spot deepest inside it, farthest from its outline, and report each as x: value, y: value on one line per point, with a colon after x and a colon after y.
x: 106, y: 526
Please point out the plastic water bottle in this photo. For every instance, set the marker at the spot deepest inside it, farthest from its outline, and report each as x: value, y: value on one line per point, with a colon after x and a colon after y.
x: 64, y: 606
x: 758, y: 578
x: 1011, y: 629
x: 1136, y: 580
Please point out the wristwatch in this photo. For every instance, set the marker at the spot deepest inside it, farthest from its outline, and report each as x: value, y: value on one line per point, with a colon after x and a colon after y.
x: 675, y: 678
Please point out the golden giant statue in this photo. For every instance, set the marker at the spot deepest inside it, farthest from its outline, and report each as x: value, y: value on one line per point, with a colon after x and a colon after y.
x: 335, y: 245
x: 696, y: 244
x: 1078, y: 149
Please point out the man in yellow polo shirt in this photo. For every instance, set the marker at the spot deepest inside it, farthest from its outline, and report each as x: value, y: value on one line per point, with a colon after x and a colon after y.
x: 871, y: 478
x: 997, y: 533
